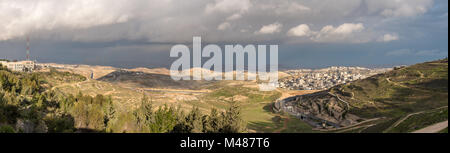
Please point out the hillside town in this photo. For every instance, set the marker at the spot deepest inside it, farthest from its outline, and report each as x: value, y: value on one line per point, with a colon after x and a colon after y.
x: 321, y: 79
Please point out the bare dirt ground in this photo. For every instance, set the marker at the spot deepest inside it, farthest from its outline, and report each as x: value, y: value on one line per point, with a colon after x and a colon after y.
x: 433, y: 128
x: 290, y: 93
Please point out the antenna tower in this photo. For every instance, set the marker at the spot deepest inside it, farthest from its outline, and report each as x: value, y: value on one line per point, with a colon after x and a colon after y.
x: 28, y: 48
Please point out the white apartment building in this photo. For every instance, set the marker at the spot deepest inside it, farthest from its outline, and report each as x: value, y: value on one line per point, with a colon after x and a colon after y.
x: 20, y: 66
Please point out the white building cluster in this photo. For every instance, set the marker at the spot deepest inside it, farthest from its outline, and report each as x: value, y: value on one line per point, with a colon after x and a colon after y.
x: 321, y: 79
x: 20, y: 66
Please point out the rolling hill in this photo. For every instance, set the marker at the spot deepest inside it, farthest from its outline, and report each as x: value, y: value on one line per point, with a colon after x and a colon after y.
x: 385, y: 101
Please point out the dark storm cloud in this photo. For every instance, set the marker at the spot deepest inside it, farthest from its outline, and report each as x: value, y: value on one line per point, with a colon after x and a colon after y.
x: 132, y: 33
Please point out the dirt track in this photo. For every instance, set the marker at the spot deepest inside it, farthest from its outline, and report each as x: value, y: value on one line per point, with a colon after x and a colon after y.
x: 290, y: 93
x: 433, y: 128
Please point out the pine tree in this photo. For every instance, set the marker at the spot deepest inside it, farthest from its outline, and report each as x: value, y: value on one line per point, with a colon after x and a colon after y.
x: 195, y: 121
x: 109, y: 110
x: 143, y: 115
x: 164, y: 120
x: 213, y: 122
x: 233, y: 122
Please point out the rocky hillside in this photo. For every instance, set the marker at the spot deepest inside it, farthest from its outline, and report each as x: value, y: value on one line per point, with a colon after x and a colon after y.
x: 326, y: 106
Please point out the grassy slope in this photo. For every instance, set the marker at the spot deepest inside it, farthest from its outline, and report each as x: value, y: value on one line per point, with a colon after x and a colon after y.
x: 65, y: 83
x: 419, y: 121
x: 395, y: 94
x: 256, y: 105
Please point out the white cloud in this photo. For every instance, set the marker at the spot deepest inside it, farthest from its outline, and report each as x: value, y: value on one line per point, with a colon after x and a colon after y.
x: 399, y: 8
x: 234, y: 17
x: 224, y: 26
x: 21, y: 17
x: 284, y: 7
x: 344, y: 29
x: 177, y: 21
x: 300, y: 31
x: 344, y: 32
x: 270, y: 29
x: 228, y: 6
x: 295, y: 7
x: 388, y: 37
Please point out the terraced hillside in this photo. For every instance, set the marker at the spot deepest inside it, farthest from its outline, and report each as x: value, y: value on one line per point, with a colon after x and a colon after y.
x: 389, y: 98
x: 406, y: 90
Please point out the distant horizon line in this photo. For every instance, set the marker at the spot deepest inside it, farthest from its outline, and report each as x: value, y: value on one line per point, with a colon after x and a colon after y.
x: 280, y: 66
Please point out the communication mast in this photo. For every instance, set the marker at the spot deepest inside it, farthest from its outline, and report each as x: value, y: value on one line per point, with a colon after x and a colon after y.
x: 28, y: 48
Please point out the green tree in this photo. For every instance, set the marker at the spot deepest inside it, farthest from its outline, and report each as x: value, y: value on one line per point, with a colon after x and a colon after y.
x: 7, y: 129
x: 233, y: 122
x: 144, y: 114
x: 213, y: 123
x: 163, y: 120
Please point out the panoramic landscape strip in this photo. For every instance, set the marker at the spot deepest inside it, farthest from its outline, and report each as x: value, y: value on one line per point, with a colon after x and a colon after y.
x: 224, y: 75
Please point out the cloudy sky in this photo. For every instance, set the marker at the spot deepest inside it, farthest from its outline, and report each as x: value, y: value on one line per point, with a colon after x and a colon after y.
x: 310, y: 33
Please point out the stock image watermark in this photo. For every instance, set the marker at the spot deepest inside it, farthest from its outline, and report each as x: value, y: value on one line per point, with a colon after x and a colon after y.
x: 231, y: 67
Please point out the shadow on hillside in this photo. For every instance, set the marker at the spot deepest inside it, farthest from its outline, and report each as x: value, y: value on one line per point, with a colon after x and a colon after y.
x: 66, y: 124
x: 87, y: 130
x: 264, y: 127
x: 269, y: 108
x: 436, y: 84
x: 150, y: 80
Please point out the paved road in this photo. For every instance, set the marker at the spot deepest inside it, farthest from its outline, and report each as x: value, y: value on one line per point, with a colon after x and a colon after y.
x: 433, y: 128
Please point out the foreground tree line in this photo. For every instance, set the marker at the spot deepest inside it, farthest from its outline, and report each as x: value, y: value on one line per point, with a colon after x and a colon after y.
x: 26, y: 107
